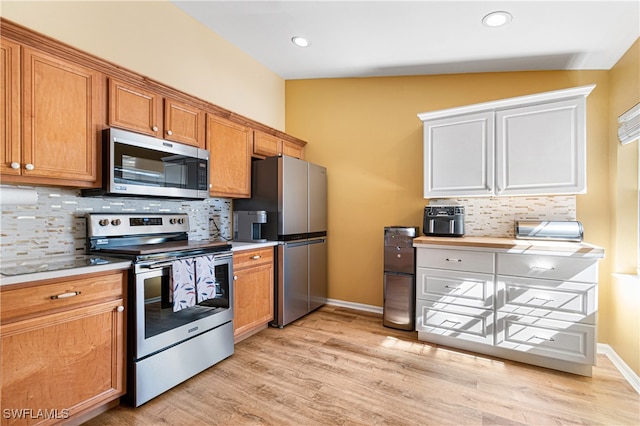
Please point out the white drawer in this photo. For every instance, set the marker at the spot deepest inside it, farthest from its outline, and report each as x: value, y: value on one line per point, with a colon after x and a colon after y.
x: 465, y: 323
x: 548, y: 267
x: 457, y: 260
x: 553, y: 339
x: 561, y: 300
x: 461, y: 288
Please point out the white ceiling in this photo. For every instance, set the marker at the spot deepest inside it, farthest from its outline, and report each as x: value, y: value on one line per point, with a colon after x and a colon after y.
x: 366, y: 38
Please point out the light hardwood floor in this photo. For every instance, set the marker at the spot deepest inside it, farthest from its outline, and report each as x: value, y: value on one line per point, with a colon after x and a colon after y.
x: 342, y: 367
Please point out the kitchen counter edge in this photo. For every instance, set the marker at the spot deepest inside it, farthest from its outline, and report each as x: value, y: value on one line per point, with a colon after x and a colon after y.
x: 508, y: 245
x: 241, y: 245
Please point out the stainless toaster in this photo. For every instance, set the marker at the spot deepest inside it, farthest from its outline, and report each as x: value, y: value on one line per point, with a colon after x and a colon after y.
x: 567, y: 230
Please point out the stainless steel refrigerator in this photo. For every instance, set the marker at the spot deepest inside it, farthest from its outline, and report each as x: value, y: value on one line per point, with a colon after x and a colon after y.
x: 294, y: 194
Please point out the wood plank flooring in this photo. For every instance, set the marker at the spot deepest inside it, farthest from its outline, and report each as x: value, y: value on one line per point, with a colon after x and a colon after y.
x: 342, y: 367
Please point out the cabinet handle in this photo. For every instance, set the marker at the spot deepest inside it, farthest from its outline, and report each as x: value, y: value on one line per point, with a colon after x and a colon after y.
x: 547, y: 339
x: 169, y: 132
x: 256, y: 257
x: 453, y: 260
x: 29, y: 166
x: 120, y: 309
x: 544, y: 299
x: 154, y: 128
x: 15, y: 165
x: 543, y: 268
x: 451, y: 321
x: 65, y: 295
x: 452, y: 287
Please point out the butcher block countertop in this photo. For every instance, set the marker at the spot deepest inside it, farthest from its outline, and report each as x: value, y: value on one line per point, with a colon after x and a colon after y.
x: 508, y: 245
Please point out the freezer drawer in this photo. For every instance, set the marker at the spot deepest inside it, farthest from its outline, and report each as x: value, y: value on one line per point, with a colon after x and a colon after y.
x: 292, y: 291
x: 317, y: 273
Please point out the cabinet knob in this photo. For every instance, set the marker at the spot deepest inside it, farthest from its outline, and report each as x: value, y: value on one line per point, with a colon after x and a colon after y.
x: 29, y: 166
x: 120, y: 309
x: 235, y: 277
x: 154, y: 128
x: 169, y: 132
x: 15, y: 165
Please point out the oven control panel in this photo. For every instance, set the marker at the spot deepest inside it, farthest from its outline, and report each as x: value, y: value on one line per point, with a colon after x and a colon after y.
x: 118, y: 224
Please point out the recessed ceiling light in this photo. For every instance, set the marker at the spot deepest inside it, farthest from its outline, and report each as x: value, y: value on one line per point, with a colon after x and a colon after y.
x: 497, y: 19
x: 300, y: 41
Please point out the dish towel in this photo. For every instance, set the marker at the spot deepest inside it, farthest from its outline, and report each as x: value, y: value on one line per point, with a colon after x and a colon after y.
x: 205, y: 278
x: 183, y: 284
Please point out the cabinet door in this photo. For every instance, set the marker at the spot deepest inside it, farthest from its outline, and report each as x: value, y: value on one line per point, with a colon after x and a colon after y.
x: 134, y: 109
x: 10, y: 107
x: 541, y: 149
x: 230, y: 145
x: 265, y: 145
x: 184, y: 123
x: 292, y: 150
x: 458, y: 156
x: 67, y: 362
x: 253, y: 298
x: 61, y: 118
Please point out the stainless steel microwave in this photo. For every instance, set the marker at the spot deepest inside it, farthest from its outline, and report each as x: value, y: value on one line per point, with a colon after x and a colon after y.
x: 140, y: 165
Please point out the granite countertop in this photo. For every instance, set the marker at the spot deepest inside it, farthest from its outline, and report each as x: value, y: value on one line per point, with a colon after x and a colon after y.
x: 28, y: 270
x: 509, y: 245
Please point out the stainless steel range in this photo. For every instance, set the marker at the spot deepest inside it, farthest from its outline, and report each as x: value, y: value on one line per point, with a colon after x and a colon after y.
x: 180, y: 298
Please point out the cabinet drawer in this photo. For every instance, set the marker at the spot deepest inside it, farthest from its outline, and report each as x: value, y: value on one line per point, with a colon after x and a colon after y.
x: 554, y: 339
x: 461, y: 322
x: 461, y: 288
x: 457, y: 260
x: 561, y: 300
x: 248, y: 258
x: 548, y: 267
x: 59, y: 295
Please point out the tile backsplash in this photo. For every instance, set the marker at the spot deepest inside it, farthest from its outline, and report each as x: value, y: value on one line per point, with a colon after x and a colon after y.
x: 496, y: 217
x: 55, y: 224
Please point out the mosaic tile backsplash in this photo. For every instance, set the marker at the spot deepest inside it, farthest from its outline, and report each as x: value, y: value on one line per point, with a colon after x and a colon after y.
x: 56, y: 225
x: 496, y: 217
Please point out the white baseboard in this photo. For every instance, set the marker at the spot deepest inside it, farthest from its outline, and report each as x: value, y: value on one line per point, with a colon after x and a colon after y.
x: 357, y: 306
x: 625, y: 370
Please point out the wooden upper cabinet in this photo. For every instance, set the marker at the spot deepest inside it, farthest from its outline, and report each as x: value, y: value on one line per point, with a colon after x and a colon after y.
x: 184, y: 123
x: 61, y: 119
x: 230, y: 165
x: 10, y: 149
x: 135, y: 109
x: 292, y: 150
x: 266, y: 145
x: 142, y: 111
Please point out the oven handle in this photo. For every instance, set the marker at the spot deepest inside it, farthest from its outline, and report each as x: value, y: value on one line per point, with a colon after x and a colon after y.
x: 157, y: 265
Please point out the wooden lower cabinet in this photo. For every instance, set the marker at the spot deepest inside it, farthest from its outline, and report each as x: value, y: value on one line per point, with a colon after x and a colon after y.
x: 253, y: 291
x: 61, y: 364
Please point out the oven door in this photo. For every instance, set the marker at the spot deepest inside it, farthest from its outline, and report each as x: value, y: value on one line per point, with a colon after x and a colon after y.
x: 156, y: 325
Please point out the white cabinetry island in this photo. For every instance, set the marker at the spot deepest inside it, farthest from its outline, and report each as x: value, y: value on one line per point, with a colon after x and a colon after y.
x: 528, y: 301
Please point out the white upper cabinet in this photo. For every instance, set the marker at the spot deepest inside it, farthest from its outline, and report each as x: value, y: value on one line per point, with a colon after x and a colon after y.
x: 530, y: 145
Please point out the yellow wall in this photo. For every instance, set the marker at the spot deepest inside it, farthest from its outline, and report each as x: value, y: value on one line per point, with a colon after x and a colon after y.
x: 366, y: 131
x: 623, y: 310
x: 158, y: 40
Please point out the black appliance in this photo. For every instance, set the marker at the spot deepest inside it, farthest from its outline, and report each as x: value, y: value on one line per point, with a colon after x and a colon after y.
x: 173, y: 333
x: 399, y: 285
x: 443, y: 221
x: 139, y: 165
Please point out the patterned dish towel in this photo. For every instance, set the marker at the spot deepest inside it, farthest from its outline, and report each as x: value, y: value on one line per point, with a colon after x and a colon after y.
x: 183, y: 284
x: 205, y: 278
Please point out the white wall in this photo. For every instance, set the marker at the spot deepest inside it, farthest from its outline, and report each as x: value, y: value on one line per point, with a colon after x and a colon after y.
x: 158, y: 40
